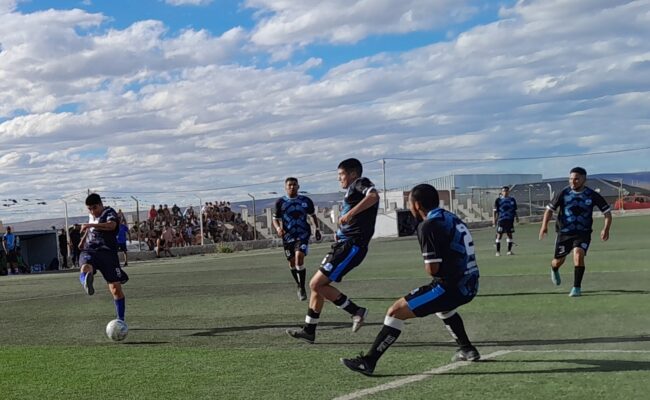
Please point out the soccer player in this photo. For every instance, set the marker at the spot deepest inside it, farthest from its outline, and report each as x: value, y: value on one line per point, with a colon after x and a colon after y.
x: 356, y: 227
x: 504, y: 215
x: 448, y: 251
x: 291, y: 224
x: 122, y: 235
x: 575, y: 205
x: 99, y: 252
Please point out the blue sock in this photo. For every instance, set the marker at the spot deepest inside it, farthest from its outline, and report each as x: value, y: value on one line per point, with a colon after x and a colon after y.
x: 82, y: 277
x: 120, y: 307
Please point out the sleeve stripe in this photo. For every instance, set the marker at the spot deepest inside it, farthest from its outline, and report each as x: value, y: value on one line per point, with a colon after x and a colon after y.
x: 435, y: 260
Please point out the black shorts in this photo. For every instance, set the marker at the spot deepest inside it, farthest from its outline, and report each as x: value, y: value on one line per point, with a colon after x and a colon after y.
x: 435, y: 297
x: 107, y: 262
x: 505, y: 226
x: 121, y: 247
x: 342, y: 259
x: 290, y: 248
x: 565, y: 243
x: 12, y: 256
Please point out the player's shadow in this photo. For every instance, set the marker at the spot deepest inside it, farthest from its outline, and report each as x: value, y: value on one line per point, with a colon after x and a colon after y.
x: 251, y: 328
x: 583, y: 365
x: 535, y: 342
x: 585, y: 293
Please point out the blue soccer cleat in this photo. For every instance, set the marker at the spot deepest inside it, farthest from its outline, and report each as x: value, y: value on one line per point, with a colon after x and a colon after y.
x: 575, y: 292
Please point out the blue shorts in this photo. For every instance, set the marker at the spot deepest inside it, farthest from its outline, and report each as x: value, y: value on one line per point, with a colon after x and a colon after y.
x: 343, y: 258
x: 107, y: 262
x: 435, y: 297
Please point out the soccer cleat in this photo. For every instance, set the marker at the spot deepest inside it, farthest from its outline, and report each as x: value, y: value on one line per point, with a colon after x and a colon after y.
x: 88, y: 284
x: 575, y: 292
x: 302, y: 294
x: 510, y: 253
x: 359, y: 364
x: 358, y: 318
x: 468, y: 354
x: 555, y: 277
x: 497, y: 254
x: 302, y: 335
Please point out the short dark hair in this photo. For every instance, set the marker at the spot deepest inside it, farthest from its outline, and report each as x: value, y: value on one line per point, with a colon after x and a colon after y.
x: 93, y: 199
x: 579, y: 170
x: 291, y: 179
x: 426, y: 195
x: 506, y: 187
x: 351, y: 165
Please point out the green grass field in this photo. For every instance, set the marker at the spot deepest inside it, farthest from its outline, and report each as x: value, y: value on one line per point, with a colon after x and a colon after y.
x: 213, y: 327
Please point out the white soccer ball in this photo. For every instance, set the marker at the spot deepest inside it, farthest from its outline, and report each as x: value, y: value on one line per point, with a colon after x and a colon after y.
x: 116, y: 330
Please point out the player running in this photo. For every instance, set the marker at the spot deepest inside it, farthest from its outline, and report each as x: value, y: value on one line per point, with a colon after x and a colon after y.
x: 291, y: 224
x: 575, y: 205
x: 99, y: 252
x: 504, y: 216
x: 356, y: 227
x: 448, y: 251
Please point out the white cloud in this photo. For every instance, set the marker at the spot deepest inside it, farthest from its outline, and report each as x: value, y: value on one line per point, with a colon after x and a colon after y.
x: 162, y: 113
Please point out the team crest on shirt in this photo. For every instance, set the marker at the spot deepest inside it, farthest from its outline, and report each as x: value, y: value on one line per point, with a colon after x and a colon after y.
x: 304, y: 205
x: 588, y: 202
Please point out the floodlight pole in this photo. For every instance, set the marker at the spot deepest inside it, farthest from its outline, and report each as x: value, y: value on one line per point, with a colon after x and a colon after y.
x: 200, y: 218
x: 137, y: 221
x: 254, y: 217
x: 530, y: 202
x: 383, y: 170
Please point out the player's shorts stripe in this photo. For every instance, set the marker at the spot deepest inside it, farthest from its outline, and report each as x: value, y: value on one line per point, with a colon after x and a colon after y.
x: 341, y: 267
x: 435, y: 260
x: 426, y: 297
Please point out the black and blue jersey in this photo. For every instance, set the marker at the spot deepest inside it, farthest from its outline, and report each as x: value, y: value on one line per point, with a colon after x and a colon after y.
x: 103, y: 240
x: 293, y: 213
x: 506, y: 208
x: 575, y: 209
x: 362, y: 226
x: 446, y: 240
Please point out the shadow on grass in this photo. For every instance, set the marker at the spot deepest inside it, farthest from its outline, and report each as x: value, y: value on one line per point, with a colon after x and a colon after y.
x: 535, y: 342
x: 584, y: 293
x: 323, y: 326
x: 584, y: 365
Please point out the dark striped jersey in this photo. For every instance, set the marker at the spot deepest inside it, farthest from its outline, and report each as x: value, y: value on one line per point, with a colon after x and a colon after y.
x: 102, y: 240
x: 362, y: 226
x: 575, y: 209
x: 293, y: 213
x: 506, y: 208
x: 446, y: 240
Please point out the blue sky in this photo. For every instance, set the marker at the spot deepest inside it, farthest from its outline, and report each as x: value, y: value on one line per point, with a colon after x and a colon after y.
x: 167, y: 97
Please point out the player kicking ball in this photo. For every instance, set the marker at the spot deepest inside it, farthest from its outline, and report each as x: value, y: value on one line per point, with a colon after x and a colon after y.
x: 448, y: 251
x: 99, y: 252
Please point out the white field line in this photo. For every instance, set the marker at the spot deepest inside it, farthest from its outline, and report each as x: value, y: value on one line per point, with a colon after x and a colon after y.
x: 416, y: 378
x: 449, y: 367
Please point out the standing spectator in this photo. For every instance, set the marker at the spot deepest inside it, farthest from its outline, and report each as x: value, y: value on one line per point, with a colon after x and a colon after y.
x: 121, y: 216
x: 63, y: 248
x: 122, y: 235
x: 75, y: 239
x: 504, y: 216
x: 152, y: 213
x: 10, y: 246
x: 165, y: 241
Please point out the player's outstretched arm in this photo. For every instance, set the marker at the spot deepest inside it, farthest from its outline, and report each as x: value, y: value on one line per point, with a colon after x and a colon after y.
x: 604, y: 234
x: 544, y: 228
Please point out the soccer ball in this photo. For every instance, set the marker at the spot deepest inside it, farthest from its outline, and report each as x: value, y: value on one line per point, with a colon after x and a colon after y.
x: 116, y: 330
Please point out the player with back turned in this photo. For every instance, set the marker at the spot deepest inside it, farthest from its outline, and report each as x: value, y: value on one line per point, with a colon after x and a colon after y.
x: 356, y: 227
x: 575, y: 205
x: 449, y: 258
x: 291, y: 224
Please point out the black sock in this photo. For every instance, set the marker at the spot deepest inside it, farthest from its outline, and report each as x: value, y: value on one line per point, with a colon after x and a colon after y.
x: 555, y: 268
x: 498, y: 247
x: 510, y: 246
x: 302, y: 275
x: 578, y: 273
x: 456, y: 327
x: 385, y: 338
x: 346, y: 304
x: 294, y: 273
x: 311, y: 321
